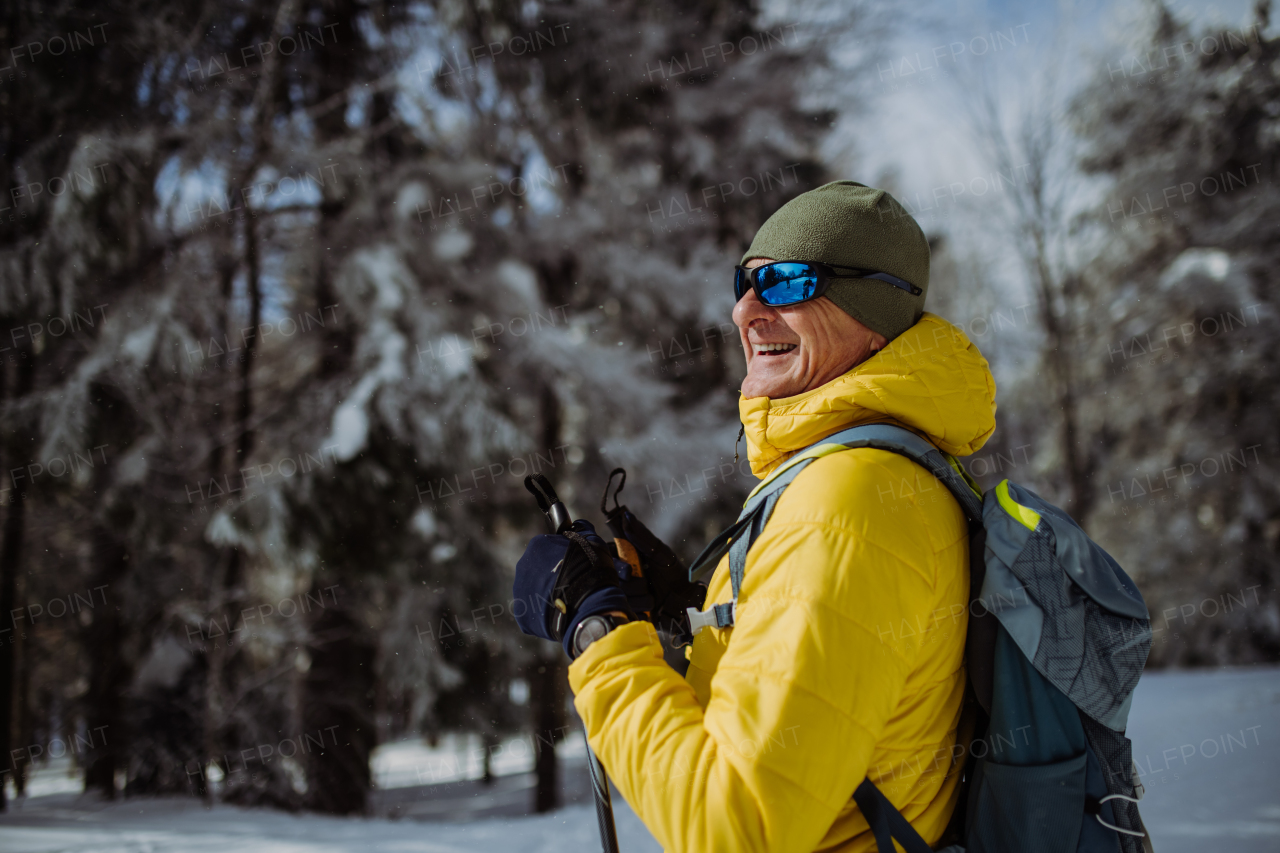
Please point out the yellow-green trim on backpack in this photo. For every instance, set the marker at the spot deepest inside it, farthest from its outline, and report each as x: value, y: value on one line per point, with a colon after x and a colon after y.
x: 1028, y: 517
x: 964, y: 475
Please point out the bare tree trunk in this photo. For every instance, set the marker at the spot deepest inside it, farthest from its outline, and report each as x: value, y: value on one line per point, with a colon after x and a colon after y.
x: 217, y: 647
x: 22, y: 724
x: 1056, y: 318
x: 11, y: 555
x: 110, y: 673
x: 489, y: 740
x: 338, y: 698
x: 547, y: 681
x: 340, y: 67
x: 228, y: 581
x: 1038, y: 209
x: 253, y: 283
x: 338, y: 687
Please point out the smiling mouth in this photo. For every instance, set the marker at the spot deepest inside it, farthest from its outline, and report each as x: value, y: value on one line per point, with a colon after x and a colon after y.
x: 774, y: 349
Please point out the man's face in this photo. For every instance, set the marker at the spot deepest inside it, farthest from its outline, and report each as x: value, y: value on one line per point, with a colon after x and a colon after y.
x: 798, y: 348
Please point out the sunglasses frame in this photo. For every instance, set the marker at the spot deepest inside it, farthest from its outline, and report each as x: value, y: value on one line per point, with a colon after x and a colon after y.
x: 826, y: 272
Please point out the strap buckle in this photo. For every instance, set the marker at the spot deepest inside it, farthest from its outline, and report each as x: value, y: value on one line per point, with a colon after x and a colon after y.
x: 716, y: 616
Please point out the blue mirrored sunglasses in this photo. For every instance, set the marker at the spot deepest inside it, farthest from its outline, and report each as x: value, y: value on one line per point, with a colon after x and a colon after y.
x: 792, y: 282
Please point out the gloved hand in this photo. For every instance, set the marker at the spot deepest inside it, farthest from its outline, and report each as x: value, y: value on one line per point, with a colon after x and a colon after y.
x: 665, y: 589
x: 563, y: 578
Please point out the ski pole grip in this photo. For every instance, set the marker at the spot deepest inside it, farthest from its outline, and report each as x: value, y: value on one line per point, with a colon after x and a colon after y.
x: 545, y: 494
x: 559, y: 516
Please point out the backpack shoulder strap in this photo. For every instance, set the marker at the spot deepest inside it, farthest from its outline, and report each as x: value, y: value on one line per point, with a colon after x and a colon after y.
x: 902, y: 441
x: 739, y: 537
x: 886, y: 822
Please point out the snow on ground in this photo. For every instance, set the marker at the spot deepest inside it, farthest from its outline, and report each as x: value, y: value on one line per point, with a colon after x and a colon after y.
x: 171, y: 825
x: 459, y: 757
x: 435, y: 790
x: 1207, y: 745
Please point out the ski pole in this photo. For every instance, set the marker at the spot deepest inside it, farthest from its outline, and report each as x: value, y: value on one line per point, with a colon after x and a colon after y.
x: 556, y: 512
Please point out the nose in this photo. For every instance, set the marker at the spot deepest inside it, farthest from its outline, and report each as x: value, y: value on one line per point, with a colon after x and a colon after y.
x: 749, y: 309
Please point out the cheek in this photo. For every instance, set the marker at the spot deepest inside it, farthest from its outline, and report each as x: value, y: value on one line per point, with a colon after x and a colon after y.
x: 810, y: 333
x: 826, y: 326
x: 797, y: 322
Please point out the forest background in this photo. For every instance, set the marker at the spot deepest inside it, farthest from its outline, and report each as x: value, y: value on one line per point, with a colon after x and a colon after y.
x: 293, y: 295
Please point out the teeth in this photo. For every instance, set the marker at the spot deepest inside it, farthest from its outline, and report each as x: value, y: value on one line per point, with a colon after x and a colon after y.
x: 775, y: 347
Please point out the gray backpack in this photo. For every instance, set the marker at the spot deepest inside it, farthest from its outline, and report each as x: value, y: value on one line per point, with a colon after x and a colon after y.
x: 1058, y: 636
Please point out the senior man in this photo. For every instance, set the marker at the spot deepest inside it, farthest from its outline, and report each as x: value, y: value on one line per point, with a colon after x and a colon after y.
x: 838, y: 666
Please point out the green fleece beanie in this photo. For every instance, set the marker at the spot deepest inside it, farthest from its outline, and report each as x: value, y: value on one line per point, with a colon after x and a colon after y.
x: 850, y: 224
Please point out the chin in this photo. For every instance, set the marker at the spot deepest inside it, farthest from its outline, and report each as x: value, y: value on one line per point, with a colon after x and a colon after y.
x: 775, y: 388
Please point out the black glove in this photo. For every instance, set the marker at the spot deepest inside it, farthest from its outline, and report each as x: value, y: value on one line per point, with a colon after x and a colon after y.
x: 669, y: 590
x: 563, y: 578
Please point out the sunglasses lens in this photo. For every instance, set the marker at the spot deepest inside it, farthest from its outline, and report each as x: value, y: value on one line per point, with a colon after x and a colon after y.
x: 787, y: 283
x: 741, y: 284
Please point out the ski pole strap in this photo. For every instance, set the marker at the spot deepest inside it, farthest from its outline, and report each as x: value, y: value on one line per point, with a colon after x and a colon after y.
x: 886, y: 822
x: 705, y: 563
x: 745, y: 530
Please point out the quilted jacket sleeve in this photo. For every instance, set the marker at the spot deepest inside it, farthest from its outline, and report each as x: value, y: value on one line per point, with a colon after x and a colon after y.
x: 803, y: 690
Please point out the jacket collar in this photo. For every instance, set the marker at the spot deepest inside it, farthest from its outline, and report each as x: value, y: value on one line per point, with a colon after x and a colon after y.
x: 930, y: 379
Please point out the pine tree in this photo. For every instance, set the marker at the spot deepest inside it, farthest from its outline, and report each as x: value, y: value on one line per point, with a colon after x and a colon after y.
x: 518, y: 266
x: 1186, y: 352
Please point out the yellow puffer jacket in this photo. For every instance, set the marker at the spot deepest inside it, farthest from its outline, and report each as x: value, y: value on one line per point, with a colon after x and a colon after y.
x: 847, y: 657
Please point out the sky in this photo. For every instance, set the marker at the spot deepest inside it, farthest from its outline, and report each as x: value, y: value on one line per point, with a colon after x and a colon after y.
x: 918, y: 97
x: 910, y: 126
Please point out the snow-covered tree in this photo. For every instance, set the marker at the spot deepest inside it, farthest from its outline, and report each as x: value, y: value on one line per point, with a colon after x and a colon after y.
x: 1184, y: 358
x: 346, y: 297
